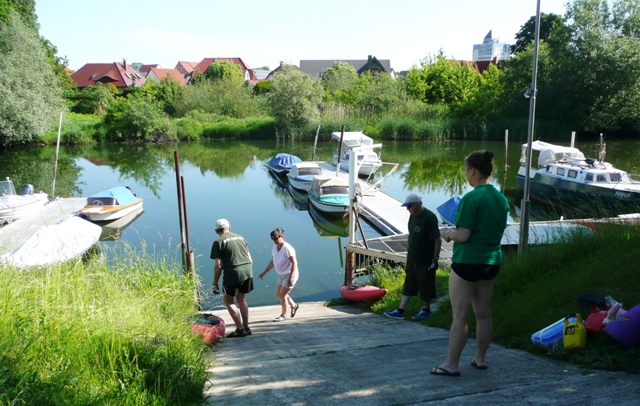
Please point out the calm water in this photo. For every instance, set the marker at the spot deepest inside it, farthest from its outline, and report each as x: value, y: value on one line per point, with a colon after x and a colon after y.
x: 231, y: 180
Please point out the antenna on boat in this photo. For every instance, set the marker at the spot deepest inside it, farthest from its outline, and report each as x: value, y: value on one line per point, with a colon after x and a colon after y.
x: 603, y: 150
x: 55, y: 166
x: 526, y: 204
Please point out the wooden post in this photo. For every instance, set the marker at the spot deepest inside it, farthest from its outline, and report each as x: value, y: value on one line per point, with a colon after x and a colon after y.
x: 506, y: 148
x: 339, y: 151
x: 315, y: 142
x: 179, y: 189
x: 349, y: 269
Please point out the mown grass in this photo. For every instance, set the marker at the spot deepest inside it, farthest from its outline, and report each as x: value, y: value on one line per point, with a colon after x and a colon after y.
x: 541, y: 285
x: 82, y: 334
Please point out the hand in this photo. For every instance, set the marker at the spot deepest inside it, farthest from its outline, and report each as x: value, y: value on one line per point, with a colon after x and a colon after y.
x: 434, y: 266
x: 216, y: 289
x: 261, y: 276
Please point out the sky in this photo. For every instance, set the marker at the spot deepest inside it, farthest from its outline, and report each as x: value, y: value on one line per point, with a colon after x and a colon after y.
x: 265, y: 33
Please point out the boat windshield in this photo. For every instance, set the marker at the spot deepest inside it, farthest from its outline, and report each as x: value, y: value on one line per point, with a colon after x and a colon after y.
x: 6, y: 188
x: 309, y: 171
x: 615, y: 177
x: 335, y: 190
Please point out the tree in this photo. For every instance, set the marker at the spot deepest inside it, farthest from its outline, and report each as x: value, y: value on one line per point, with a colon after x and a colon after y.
x: 340, y: 83
x: 30, y: 95
x: 526, y: 35
x: 380, y: 93
x: 93, y: 100
x: 294, y: 100
x: 224, y: 70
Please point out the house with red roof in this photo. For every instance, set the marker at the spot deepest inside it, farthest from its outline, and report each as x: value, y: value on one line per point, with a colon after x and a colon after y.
x: 247, y: 73
x: 158, y: 74
x: 120, y: 74
x: 185, y: 67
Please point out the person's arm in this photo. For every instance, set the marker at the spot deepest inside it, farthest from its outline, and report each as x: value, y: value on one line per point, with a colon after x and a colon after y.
x: 269, y: 267
x: 460, y: 235
x: 217, y: 272
x: 294, y: 267
x: 437, y: 246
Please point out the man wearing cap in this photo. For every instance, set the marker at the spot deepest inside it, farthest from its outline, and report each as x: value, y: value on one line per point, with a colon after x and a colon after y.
x: 422, y: 258
x: 231, y: 255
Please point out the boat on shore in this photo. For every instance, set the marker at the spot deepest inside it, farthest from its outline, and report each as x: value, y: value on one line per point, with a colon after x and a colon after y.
x: 302, y: 173
x: 361, y: 293
x: 367, y: 158
x: 280, y: 164
x: 111, y: 204
x: 330, y: 195
x: 14, y: 206
x: 563, y: 176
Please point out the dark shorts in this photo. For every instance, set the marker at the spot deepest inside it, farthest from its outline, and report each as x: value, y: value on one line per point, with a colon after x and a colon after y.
x: 419, y: 279
x: 244, y: 287
x: 475, y: 272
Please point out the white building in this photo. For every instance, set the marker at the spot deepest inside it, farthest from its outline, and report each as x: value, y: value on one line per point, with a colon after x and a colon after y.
x: 490, y: 49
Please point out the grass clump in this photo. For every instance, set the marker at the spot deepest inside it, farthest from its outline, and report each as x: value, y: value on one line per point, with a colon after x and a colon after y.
x: 76, y: 334
x: 542, y: 284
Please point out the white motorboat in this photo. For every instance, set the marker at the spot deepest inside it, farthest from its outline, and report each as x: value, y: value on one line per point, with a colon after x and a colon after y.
x: 330, y: 195
x: 302, y: 173
x: 111, y: 204
x: 368, y: 159
x: 14, y: 206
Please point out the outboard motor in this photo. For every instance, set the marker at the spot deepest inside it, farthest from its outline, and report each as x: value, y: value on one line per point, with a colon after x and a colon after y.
x: 27, y: 189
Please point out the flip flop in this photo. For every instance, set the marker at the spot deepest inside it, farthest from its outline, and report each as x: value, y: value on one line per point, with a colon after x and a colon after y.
x: 443, y: 372
x: 237, y: 333
x: 475, y: 364
x: 294, y: 310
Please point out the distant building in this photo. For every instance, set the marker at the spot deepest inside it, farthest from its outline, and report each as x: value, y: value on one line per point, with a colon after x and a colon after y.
x: 120, y: 75
x: 491, y: 49
x: 314, y: 68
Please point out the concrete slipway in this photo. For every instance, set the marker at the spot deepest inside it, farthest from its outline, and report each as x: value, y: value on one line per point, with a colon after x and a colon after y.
x: 344, y: 356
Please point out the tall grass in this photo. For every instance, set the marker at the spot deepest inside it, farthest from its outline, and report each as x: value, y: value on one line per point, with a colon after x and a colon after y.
x: 84, y: 334
x: 542, y: 284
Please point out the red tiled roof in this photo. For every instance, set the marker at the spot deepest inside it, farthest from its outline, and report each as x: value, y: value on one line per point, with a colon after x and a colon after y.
x: 169, y: 73
x: 121, y: 75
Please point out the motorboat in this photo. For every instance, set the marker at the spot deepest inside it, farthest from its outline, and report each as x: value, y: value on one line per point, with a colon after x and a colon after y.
x: 368, y: 159
x: 14, y: 206
x: 563, y: 176
x: 302, y: 173
x: 111, y: 204
x: 330, y: 195
x: 281, y: 163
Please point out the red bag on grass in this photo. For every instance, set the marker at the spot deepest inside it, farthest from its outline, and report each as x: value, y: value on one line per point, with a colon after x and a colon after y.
x: 595, y: 320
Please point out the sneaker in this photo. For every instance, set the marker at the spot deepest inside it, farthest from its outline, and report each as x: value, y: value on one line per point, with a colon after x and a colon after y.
x: 279, y: 318
x: 395, y: 315
x: 422, y: 315
x: 294, y: 310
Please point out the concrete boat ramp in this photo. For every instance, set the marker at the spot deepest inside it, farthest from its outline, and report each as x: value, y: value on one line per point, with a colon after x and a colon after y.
x: 345, y: 356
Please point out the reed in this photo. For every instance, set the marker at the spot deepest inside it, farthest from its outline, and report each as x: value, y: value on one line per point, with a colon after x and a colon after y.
x: 87, y: 334
x: 542, y: 284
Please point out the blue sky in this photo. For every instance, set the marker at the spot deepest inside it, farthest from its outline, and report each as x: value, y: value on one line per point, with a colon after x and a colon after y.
x: 267, y: 32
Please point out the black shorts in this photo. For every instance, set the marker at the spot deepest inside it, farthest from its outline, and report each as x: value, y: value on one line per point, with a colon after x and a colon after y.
x: 244, y: 287
x: 475, y: 272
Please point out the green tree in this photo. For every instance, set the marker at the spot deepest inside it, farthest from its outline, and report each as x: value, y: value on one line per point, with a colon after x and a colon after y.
x: 93, y: 100
x: 525, y: 37
x: 223, y: 97
x: 30, y: 96
x: 380, y: 93
x: 294, y: 100
x: 224, y: 70
x: 25, y: 8
x: 340, y: 83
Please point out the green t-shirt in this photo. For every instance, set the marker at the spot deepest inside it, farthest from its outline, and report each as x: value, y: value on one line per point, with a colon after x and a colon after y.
x: 233, y: 251
x: 483, y: 211
x: 423, y: 230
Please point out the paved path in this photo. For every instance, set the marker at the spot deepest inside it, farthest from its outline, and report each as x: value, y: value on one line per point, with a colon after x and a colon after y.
x: 344, y: 356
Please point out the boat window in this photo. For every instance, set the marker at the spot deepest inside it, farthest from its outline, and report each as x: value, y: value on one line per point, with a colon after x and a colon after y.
x: 549, y: 169
x: 615, y: 177
x: 335, y: 190
x: 601, y: 178
x: 572, y: 173
x: 560, y: 171
x: 589, y: 177
x: 309, y: 171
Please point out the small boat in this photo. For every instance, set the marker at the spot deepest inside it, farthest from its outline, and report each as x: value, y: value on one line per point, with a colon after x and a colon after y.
x: 54, y: 243
x: 302, y: 173
x: 281, y: 163
x: 14, y: 206
x: 563, y: 176
x: 112, y: 230
x: 330, y: 195
x: 361, y: 293
x: 111, y: 204
x: 368, y: 160
x: 209, y: 326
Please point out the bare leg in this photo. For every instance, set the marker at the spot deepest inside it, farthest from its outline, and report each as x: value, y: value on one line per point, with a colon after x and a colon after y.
x: 281, y: 292
x: 484, y: 327
x: 244, y: 309
x: 460, y: 294
x: 233, y: 310
x: 403, y: 302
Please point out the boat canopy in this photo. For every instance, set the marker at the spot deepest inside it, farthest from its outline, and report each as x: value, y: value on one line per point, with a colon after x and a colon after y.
x: 353, y: 139
x: 550, y: 153
x: 115, y: 196
x: 283, y: 160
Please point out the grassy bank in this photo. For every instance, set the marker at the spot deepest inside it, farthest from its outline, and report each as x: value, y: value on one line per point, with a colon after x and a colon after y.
x: 540, y: 286
x: 82, y: 334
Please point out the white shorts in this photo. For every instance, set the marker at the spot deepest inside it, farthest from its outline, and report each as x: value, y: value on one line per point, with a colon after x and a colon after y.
x: 283, y: 280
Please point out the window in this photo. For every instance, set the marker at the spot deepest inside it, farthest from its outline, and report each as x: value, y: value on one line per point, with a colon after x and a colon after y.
x: 560, y: 171
x: 615, y: 177
x: 601, y: 178
x: 589, y: 177
x: 549, y: 169
x: 572, y: 173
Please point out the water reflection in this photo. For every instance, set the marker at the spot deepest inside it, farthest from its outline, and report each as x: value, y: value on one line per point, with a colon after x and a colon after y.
x: 112, y: 230
x: 329, y: 227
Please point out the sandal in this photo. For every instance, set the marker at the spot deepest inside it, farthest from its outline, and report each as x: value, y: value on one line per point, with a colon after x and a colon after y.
x: 247, y: 331
x: 279, y: 318
x: 294, y: 310
x: 238, y: 333
x: 475, y: 364
x: 443, y: 372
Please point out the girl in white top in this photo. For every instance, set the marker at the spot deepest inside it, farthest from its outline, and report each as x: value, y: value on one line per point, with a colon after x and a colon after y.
x: 283, y: 259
